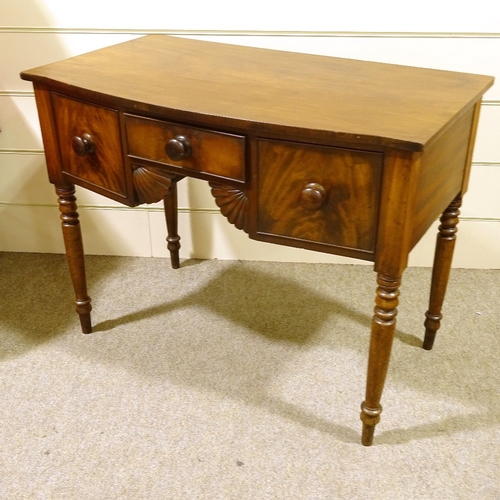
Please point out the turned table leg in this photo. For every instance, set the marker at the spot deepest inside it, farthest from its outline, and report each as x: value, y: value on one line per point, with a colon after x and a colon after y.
x: 383, y: 326
x: 173, y: 238
x: 445, y: 245
x: 74, y: 251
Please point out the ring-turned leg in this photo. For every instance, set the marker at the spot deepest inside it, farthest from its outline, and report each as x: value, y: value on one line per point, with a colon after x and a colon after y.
x: 383, y: 326
x: 173, y: 238
x: 445, y: 245
x: 74, y: 251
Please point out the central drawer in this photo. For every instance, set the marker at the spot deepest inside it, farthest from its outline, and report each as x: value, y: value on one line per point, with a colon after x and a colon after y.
x: 183, y: 147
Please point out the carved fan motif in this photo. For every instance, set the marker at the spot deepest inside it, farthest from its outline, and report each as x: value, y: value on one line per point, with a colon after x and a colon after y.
x: 233, y: 204
x: 151, y: 184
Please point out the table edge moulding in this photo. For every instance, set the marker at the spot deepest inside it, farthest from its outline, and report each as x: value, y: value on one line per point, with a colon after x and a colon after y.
x: 347, y: 157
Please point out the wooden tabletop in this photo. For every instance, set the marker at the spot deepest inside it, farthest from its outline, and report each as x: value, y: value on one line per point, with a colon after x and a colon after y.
x: 358, y: 101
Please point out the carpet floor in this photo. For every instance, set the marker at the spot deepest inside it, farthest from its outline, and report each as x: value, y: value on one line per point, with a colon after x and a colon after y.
x: 241, y: 380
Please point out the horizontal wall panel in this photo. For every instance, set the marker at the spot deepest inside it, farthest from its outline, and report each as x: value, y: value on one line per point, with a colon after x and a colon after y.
x: 116, y: 232
x: 30, y: 229
x: 105, y: 232
x: 138, y: 233
x: 365, y: 15
x: 19, y: 123
x: 24, y: 180
x: 487, y: 146
x: 483, y: 197
x: 29, y: 50
x: 477, y: 246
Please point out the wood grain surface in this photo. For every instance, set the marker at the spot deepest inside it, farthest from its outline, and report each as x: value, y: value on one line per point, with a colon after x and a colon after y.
x: 360, y: 102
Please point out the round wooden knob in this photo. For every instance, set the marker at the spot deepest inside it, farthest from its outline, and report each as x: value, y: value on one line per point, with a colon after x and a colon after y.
x: 83, y: 144
x: 178, y: 148
x: 313, y: 196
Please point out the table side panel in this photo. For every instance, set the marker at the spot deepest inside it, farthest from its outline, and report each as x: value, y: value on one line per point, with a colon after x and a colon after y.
x: 472, y: 141
x: 442, y: 171
x: 43, y: 97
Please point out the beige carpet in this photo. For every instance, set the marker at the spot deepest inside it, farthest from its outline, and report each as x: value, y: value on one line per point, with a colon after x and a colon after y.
x: 238, y: 380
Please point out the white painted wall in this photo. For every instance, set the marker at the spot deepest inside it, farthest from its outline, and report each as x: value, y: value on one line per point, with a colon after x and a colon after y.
x: 436, y: 34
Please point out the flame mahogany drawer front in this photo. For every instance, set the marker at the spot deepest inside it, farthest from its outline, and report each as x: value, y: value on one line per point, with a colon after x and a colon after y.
x: 325, y: 195
x: 90, y: 145
x: 186, y: 148
x: 347, y: 157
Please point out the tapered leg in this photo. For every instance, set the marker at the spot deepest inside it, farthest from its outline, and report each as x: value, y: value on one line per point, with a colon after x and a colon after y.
x: 74, y: 251
x: 445, y: 245
x: 173, y: 238
x: 383, y: 326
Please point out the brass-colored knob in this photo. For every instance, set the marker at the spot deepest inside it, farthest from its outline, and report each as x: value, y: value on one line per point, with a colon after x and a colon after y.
x: 178, y: 148
x: 313, y: 196
x: 83, y: 144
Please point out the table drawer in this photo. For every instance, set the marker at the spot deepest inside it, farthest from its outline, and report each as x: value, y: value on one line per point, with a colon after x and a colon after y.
x: 324, y: 195
x: 198, y: 150
x: 90, y: 145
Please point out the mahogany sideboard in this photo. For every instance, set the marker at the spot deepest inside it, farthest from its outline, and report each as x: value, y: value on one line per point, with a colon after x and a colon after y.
x: 333, y: 155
